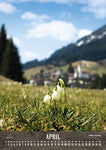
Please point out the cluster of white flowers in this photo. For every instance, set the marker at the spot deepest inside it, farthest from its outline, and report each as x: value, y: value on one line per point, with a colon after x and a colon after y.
x: 24, y: 94
x: 56, y: 94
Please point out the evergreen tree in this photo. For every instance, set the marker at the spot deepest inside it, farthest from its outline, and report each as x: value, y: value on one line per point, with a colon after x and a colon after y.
x: 42, y: 77
x: 70, y: 69
x: 65, y: 78
x: 3, y: 42
x: 96, y: 83
x: 11, y: 66
x: 102, y: 82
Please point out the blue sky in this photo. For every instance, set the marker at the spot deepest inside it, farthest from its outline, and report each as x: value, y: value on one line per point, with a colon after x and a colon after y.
x: 39, y: 27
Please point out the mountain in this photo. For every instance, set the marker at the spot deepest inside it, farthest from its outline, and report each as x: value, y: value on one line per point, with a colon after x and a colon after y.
x: 91, y: 47
x: 99, y: 34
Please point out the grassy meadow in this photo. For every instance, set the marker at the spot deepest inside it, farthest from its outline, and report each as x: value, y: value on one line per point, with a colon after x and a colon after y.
x: 22, y: 109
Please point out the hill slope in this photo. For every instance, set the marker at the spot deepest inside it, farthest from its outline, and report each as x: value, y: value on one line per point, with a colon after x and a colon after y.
x: 4, y: 79
x: 89, y: 66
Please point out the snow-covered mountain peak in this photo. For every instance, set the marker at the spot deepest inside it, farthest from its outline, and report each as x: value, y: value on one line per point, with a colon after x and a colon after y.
x: 98, y: 34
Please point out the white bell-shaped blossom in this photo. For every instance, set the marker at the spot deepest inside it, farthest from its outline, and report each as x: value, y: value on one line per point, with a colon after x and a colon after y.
x: 60, y: 90
x: 47, y: 98
x: 55, y: 95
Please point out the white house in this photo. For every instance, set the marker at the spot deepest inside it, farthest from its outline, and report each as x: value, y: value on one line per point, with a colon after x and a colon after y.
x: 32, y: 81
x: 47, y: 83
x: 59, y: 73
x: 80, y: 74
x: 70, y: 78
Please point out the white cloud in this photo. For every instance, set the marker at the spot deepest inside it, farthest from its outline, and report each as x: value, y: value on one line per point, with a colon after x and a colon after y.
x: 44, y: 1
x: 28, y: 55
x: 93, y: 3
x: 97, y: 7
x: 17, y: 41
x: 56, y: 1
x: 7, y: 8
x: 65, y: 14
x: 28, y: 16
x: 8, y: 1
x: 59, y: 30
x: 83, y: 32
x: 50, y: 52
x: 34, y: 17
x: 99, y: 13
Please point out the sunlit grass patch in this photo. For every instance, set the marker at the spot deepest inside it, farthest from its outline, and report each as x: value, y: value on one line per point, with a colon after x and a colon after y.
x: 23, y: 108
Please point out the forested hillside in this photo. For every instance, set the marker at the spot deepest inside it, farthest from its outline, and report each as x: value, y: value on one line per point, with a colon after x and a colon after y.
x: 10, y: 65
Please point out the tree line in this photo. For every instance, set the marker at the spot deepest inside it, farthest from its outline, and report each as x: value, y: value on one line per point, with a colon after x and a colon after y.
x: 10, y: 65
x: 99, y: 82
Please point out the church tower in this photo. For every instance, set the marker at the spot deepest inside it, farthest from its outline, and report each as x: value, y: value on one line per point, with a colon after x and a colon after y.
x: 79, y: 71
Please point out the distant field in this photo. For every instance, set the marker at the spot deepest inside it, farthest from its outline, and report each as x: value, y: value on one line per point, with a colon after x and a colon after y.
x: 88, y: 66
x: 22, y: 109
x: 4, y: 79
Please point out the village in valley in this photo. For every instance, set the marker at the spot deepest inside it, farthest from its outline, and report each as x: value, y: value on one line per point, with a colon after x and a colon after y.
x: 72, y: 77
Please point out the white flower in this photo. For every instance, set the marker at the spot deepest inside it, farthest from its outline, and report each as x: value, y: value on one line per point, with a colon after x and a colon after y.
x: 61, y: 81
x: 25, y: 96
x: 1, y: 122
x: 76, y: 91
x: 70, y: 96
x: 60, y: 90
x: 55, y: 95
x: 46, y: 98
